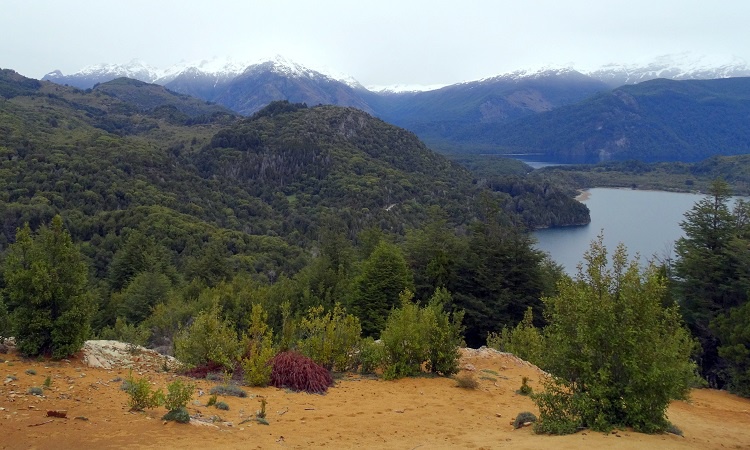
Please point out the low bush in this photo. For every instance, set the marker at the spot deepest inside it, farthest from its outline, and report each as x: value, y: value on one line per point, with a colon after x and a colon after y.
x: 330, y: 339
x: 296, y: 371
x: 222, y: 406
x: 466, y: 381
x: 208, y: 340
x: 524, y: 418
x: 141, y: 395
x: 48, y: 382
x: 178, y: 394
x: 30, y: 372
x: 179, y: 415
x: 370, y: 355
x: 525, y: 389
x: 211, y: 400
x: 525, y: 340
x: 414, y: 336
x: 36, y: 390
x: 228, y: 389
x: 259, y: 349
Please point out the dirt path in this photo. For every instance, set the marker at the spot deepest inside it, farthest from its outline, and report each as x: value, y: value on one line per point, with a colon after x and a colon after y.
x: 425, y: 413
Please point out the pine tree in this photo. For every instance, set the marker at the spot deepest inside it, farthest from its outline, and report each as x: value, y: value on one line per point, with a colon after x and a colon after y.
x: 385, y: 275
x: 712, y: 270
x: 46, y: 280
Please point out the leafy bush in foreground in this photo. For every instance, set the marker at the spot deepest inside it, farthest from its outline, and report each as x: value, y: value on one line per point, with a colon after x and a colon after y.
x: 414, y: 336
x: 141, y: 395
x: 616, y: 355
x: 209, y: 339
x: 178, y: 394
x: 298, y: 372
x: 330, y: 339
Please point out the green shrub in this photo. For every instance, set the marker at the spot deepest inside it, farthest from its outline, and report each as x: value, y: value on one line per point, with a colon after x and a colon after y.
x: 48, y: 382
x: 525, y: 389
x: 466, y: 381
x: 617, y: 356
x: 330, y: 339
x: 370, y: 355
x: 228, y: 389
x: 523, y: 418
x: 141, y: 395
x: 208, y: 339
x: 414, y: 336
x: 36, y: 390
x: 222, y: 406
x: 259, y: 349
x: 124, y: 332
x: 211, y: 400
x: 179, y: 415
x: 525, y: 340
x: 444, y: 335
x: 178, y: 394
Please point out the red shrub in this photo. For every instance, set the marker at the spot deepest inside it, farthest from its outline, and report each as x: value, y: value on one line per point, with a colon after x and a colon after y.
x: 296, y: 371
x: 203, y: 370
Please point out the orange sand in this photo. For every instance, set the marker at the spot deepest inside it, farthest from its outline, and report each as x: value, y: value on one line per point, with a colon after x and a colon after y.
x: 362, y: 413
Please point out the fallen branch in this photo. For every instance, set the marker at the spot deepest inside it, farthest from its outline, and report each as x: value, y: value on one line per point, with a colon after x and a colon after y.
x: 38, y: 424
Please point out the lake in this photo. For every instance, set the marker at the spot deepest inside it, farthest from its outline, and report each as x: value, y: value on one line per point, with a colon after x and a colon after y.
x: 647, y: 222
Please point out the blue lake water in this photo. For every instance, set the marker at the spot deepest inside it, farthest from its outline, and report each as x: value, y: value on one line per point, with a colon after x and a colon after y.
x: 647, y: 222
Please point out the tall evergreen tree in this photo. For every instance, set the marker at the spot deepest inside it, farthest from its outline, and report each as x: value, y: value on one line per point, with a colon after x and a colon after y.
x: 712, y: 270
x: 46, y: 280
x: 384, y: 276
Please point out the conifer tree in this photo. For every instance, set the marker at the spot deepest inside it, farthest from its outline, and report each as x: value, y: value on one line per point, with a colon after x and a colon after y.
x: 385, y: 275
x: 46, y: 281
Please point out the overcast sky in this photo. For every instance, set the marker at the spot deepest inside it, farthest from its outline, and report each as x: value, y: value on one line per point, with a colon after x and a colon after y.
x: 380, y: 42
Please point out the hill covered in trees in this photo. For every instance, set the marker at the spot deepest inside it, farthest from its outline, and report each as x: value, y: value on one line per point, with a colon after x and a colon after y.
x: 167, y: 196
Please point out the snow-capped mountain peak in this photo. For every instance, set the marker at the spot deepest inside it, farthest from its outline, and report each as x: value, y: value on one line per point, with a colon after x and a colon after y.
x: 682, y: 66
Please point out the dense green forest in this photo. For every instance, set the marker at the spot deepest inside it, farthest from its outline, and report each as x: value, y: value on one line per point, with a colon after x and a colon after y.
x: 174, y: 201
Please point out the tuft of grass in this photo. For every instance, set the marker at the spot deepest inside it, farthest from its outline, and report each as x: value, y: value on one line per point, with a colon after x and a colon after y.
x: 673, y: 429
x: 215, y: 376
x: 222, y: 406
x: 525, y: 389
x: 179, y: 415
x: 30, y: 372
x: 466, y: 381
x: 524, y: 418
x: 228, y: 389
x: 485, y: 377
x: 491, y: 372
x: 36, y: 390
x: 48, y: 382
x: 211, y: 400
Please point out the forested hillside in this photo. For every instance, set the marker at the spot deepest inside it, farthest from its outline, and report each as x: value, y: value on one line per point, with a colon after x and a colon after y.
x: 658, y: 120
x: 173, y: 201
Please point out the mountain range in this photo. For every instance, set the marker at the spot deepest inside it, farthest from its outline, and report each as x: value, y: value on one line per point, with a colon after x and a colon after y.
x: 475, y: 116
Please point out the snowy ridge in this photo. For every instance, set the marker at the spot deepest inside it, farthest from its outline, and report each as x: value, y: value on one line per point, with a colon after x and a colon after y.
x: 681, y: 66
x: 220, y: 68
x: 404, y: 88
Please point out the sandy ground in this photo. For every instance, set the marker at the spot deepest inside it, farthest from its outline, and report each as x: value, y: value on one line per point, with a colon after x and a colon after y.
x: 363, y: 413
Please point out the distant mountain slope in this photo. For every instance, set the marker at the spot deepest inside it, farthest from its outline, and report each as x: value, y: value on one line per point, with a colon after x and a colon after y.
x: 440, y: 116
x: 261, y: 84
x: 658, y: 120
x: 147, y: 97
